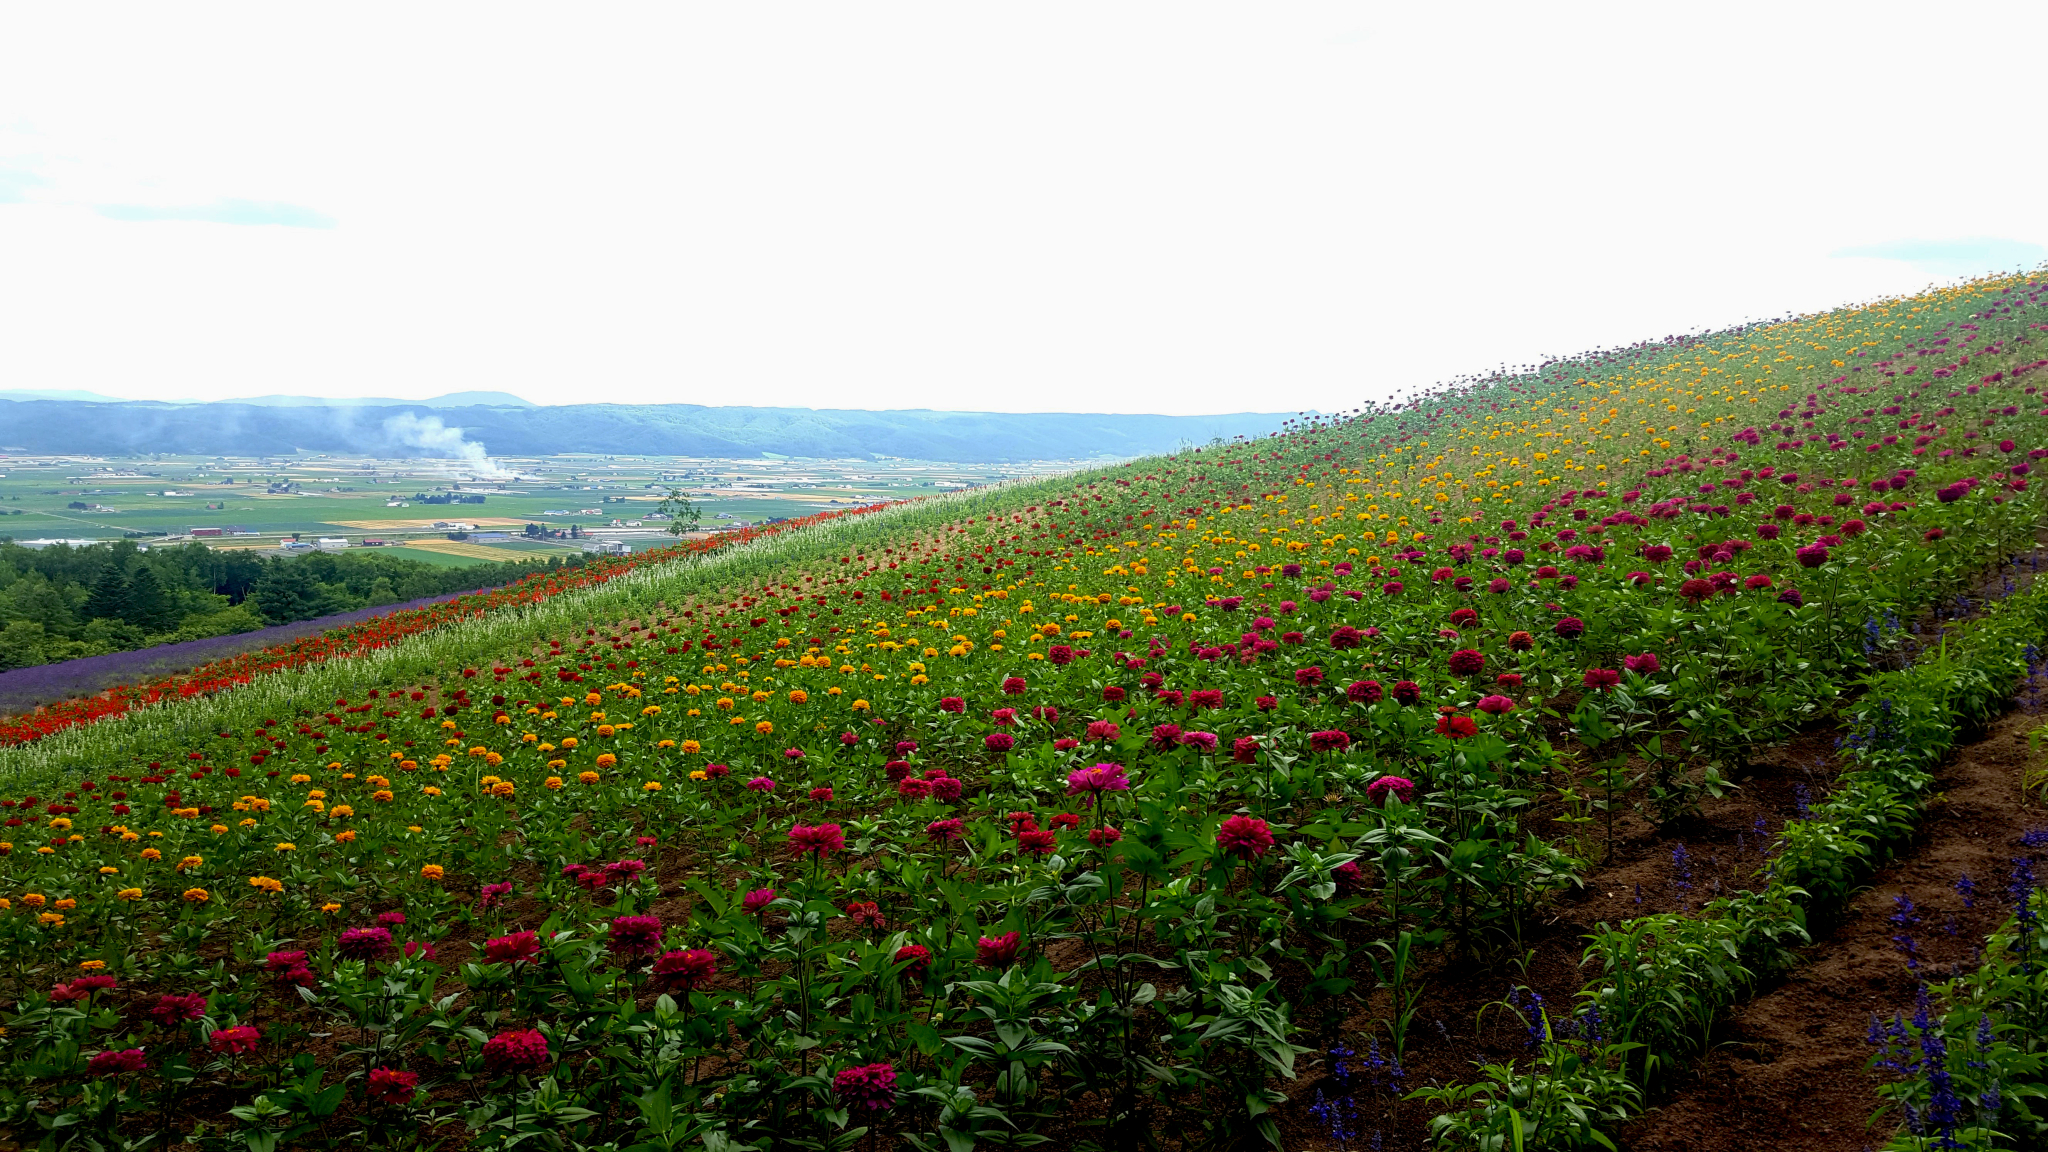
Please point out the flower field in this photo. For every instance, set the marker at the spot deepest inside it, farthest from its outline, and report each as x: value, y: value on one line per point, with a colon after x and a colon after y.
x: 1179, y: 803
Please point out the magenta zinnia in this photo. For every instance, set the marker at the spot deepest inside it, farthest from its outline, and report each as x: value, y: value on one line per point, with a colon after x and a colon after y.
x: 1244, y: 836
x: 868, y: 1088
x: 817, y: 839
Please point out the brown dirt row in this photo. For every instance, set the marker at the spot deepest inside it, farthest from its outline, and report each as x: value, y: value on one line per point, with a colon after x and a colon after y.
x: 1791, y: 1072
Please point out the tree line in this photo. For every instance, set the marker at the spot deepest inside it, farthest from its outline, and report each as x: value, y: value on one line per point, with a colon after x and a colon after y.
x: 62, y: 602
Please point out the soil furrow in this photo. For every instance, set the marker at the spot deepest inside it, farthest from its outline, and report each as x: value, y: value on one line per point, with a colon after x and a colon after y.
x: 1791, y: 1070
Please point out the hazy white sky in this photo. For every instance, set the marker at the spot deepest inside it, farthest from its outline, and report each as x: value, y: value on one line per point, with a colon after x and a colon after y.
x: 1123, y: 207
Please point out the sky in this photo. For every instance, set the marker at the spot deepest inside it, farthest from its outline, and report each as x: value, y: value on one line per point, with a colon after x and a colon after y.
x: 1132, y: 207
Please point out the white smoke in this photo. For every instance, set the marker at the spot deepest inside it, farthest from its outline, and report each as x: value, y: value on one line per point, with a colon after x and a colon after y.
x: 433, y: 438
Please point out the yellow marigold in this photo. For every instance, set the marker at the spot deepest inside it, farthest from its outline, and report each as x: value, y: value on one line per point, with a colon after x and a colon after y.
x: 65, y: 905
x: 342, y: 812
x: 606, y: 760
x: 651, y: 786
x: 558, y: 765
x: 249, y: 822
x: 528, y: 738
x: 568, y: 741
x: 130, y: 837
x: 315, y: 805
x: 382, y: 796
x: 502, y: 788
x: 700, y: 774
x: 799, y: 696
x: 51, y: 919
x: 195, y: 896
x: 287, y: 847
x: 266, y: 884
x: 190, y: 862
x: 765, y: 727
x: 594, y: 699
x: 152, y: 854
x: 378, y: 782
x: 347, y: 836
x: 493, y: 759
x: 330, y: 908
x: 553, y: 783
x: 478, y: 750
x: 301, y: 778
x: 588, y: 777
x: 860, y: 705
x: 185, y: 813
x: 834, y: 690
x: 408, y: 765
x: 218, y: 829
x: 692, y: 747
x: 128, y: 894
x: 430, y: 790
x: 651, y: 710
x: 431, y: 871
x: 92, y: 965
x: 725, y: 703
x: 34, y: 900
x: 665, y: 744
x: 316, y: 794
x: 110, y: 871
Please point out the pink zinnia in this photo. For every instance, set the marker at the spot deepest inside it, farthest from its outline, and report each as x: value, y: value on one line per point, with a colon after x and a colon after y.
x: 518, y: 948
x: 1092, y: 782
x: 1245, y: 836
x: 364, y: 943
x: 1601, y: 679
x: 868, y: 1088
x: 753, y: 902
x: 997, y: 952
x: 636, y: 935
x: 817, y: 839
x: 522, y: 1051
x: 1495, y: 705
x: 113, y: 1063
x: 234, y: 1041
x: 761, y: 784
x: 688, y: 970
x: 1332, y: 740
x: 389, y: 1086
x: 1400, y: 787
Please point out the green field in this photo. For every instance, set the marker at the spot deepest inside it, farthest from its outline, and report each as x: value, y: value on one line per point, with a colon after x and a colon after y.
x: 169, y: 496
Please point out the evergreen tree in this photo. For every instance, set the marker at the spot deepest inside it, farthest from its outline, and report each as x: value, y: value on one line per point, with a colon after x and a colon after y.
x: 108, y: 599
x: 290, y: 592
x: 149, y: 606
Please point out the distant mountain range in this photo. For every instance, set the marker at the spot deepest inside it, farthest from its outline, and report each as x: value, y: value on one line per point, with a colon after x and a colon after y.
x: 451, y: 400
x: 469, y: 425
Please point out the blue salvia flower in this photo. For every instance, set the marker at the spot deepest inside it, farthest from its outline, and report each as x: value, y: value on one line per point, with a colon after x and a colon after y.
x: 2034, y: 838
x: 1338, y: 1116
x: 1990, y: 1103
x: 1904, y: 917
x: 1967, y: 889
x: 2021, y: 891
x: 1590, y: 1029
x: 1802, y: 801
